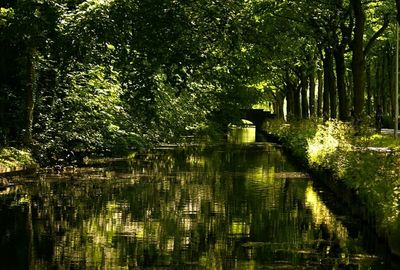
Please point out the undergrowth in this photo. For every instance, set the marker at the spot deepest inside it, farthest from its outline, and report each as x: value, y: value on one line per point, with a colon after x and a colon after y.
x: 12, y: 157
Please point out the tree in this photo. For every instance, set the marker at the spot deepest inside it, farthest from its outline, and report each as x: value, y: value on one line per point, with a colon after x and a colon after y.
x: 359, y: 54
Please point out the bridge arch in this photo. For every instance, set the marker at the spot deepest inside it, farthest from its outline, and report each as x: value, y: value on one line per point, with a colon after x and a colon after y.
x: 257, y: 116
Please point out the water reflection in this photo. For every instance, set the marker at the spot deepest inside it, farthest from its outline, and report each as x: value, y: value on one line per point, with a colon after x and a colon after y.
x: 242, y: 134
x: 229, y: 207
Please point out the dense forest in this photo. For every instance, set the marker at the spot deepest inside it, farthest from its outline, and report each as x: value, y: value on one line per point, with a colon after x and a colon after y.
x: 103, y: 76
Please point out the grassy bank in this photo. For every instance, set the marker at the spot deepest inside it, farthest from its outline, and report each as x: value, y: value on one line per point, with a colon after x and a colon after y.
x: 14, y: 159
x: 368, y: 164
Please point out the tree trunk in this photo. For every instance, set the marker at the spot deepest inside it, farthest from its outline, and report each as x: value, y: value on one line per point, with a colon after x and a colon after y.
x: 278, y: 107
x: 281, y: 111
x: 377, y: 94
x: 320, y: 91
x: 383, y: 87
x: 349, y: 85
x: 2, y: 110
x: 311, y: 78
x: 296, y: 102
x: 341, y: 84
x: 30, y: 97
x: 304, y: 98
x: 369, y: 90
x: 392, y: 81
x: 289, y: 102
x: 329, y: 86
x: 333, y: 94
x: 358, y: 60
x: 398, y: 10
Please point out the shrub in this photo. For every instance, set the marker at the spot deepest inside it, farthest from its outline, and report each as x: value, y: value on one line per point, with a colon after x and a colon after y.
x: 330, y: 145
x: 12, y: 157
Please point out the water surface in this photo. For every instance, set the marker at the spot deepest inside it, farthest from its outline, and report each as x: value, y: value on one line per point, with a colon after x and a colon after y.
x: 225, y: 207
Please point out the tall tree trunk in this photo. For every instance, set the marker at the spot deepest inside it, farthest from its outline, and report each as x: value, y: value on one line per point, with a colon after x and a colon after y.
x: 280, y: 110
x: 278, y: 107
x: 329, y: 85
x: 341, y: 84
x: 369, y: 90
x: 320, y: 91
x: 2, y: 111
x: 333, y: 94
x: 358, y: 60
x: 289, y: 102
x: 30, y: 97
x: 392, y: 81
x: 349, y: 85
x: 377, y: 94
x: 304, y: 98
x: 296, y: 102
x: 398, y: 10
x: 383, y: 87
x: 311, y: 78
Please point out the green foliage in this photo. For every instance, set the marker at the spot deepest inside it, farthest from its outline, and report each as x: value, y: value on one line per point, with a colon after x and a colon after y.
x: 294, y: 135
x: 329, y: 146
x: 379, y: 140
x: 12, y: 157
x: 5, y: 15
x: 87, y: 117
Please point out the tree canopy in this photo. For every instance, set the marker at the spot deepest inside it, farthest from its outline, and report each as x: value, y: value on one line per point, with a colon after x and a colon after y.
x: 102, y: 76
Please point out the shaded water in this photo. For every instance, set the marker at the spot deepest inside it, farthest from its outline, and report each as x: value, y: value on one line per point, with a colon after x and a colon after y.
x: 225, y: 207
x: 242, y: 135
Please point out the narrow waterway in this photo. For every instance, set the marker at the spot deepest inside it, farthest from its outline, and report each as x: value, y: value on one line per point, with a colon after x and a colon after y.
x: 222, y: 207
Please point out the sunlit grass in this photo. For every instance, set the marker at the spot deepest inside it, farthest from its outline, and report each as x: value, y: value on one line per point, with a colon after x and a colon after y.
x: 380, y: 140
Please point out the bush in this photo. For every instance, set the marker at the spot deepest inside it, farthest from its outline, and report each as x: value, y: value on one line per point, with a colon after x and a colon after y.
x: 294, y: 135
x: 329, y: 146
x: 11, y: 157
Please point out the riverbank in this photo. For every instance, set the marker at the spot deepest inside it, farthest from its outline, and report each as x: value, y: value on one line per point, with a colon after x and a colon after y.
x: 368, y: 166
x: 13, y: 160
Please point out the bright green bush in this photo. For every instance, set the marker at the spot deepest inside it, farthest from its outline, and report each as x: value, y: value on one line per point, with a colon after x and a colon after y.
x: 87, y: 117
x: 294, y: 135
x: 330, y: 145
x: 12, y: 157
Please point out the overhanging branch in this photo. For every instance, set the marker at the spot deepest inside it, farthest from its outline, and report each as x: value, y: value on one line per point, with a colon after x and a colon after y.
x: 377, y: 34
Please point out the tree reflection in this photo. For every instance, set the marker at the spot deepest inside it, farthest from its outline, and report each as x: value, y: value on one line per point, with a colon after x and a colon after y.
x: 220, y: 208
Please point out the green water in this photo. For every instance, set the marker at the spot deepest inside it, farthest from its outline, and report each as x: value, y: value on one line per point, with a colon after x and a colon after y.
x: 242, y: 135
x: 225, y: 207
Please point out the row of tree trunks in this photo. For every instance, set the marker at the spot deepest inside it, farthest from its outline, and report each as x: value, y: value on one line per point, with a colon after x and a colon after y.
x: 333, y: 97
x: 333, y: 82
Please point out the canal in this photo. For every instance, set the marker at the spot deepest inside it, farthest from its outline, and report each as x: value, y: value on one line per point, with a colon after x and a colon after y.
x: 215, y: 207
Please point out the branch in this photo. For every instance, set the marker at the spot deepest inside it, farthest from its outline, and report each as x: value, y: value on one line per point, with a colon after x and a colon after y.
x: 347, y: 31
x: 377, y: 34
